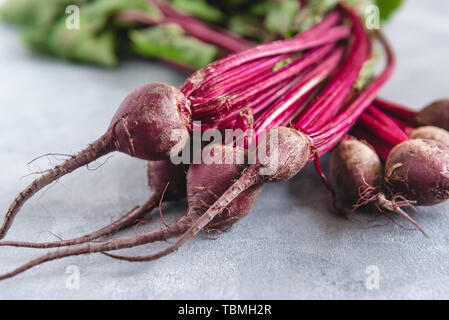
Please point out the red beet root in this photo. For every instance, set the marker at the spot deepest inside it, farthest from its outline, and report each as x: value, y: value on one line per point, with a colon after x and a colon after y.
x: 167, y: 179
x: 206, y: 182
x: 146, y: 119
x: 419, y: 169
x: 142, y: 127
x: 291, y: 146
x: 354, y: 168
x: 287, y: 152
x: 357, y: 175
x: 431, y: 133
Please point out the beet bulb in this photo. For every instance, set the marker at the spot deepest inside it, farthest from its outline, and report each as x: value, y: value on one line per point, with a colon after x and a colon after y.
x: 431, y: 133
x: 419, y: 169
x: 436, y: 114
x: 357, y: 174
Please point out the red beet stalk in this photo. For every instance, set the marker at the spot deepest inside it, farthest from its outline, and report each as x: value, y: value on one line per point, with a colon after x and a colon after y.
x: 382, y: 125
x: 258, y: 77
x: 326, y: 137
x: 330, y: 99
x: 397, y: 111
x: 321, y: 34
x: 380, y: 131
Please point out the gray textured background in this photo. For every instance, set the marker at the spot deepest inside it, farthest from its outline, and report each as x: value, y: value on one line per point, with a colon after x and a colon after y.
x: 289, y: 247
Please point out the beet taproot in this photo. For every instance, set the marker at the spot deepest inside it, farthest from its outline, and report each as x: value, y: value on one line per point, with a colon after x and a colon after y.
x: 166, y: 181
x: 205, y: 183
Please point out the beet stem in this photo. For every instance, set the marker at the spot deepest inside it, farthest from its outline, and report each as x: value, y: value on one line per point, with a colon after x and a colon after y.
x: 404, y: 114
x: 191, y: 27
x: 258, y: 84
x: 331, y: 98
x: 382, y: 148
x: 236, y: 77
x: 385, y: 119
x: 294, y: 69
x: 381, y: 131
x: 393, y: 136
x: 300, y: 43
x: 285, y: 109
x: 260, y: 103
x: 328, y: 136
x: 198, y: 29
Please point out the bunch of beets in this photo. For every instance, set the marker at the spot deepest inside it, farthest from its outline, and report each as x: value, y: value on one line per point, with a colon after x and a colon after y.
x: 298, y: 98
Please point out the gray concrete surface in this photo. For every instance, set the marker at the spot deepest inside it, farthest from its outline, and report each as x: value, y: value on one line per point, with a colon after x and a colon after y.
x: 289, y: 247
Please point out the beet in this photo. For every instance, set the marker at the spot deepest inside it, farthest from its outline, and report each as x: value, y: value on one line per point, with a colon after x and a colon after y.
x: 142, y: 127
x: 167, y: 179
x: 145, y: 120
x: 436, y: 114
x: 287, y: 152
x: 205, y: 182
x: 431, y: 133
x: 419, y: 169
x: 354, y: 167
x: 357, y: 176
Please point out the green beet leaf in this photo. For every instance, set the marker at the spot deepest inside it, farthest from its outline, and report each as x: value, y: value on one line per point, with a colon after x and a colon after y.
x: 94, y: 41
x: 200, y: 9
x: 171, y: 43
x: 281, y: 16
x: 388, y: 7
x: 35, y: 12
